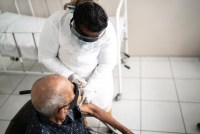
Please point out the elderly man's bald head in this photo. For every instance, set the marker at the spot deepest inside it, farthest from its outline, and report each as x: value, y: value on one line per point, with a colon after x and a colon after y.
x: 51, y: 92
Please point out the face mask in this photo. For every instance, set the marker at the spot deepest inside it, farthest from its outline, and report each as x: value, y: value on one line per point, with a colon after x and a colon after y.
x: 82, y: 36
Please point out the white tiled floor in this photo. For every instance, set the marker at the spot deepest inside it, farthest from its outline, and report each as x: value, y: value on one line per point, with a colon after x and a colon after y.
x: 191, y: 85
x: 191, y: 114
x: 158, y: 89
x: 27, y: 82
x: 161, y: 95
x: 162, y: 116
x: 185, y: 67
x: 128, y: 113
x: 9, y: 82
x: 6, y: 61
x: 17, y: 65
x: 131, y: 88
x: 3, y: 126
x: 12, y: 105
x: 155, y: 68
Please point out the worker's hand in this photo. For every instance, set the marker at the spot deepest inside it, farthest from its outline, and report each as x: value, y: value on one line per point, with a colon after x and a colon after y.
x: 87, y: 96
x: 79, y: 81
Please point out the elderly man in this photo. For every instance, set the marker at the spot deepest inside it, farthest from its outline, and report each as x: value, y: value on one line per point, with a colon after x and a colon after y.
x: 52, y: 97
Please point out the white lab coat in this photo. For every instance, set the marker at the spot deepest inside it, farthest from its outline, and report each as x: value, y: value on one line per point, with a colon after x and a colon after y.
x: 61, y: 52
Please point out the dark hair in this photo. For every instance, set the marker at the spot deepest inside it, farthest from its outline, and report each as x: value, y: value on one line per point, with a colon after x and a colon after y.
x: 90, y: 15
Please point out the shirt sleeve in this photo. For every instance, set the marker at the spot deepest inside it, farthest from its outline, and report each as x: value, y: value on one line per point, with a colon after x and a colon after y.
x: 107, y: 60
x: 49, y: 48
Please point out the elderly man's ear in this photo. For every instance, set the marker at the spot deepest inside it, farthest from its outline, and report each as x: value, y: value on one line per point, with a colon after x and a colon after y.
x: 61, y: 114
x: 79, y: 100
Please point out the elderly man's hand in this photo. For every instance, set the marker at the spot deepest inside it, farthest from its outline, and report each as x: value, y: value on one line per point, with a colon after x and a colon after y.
x: 79, y: 81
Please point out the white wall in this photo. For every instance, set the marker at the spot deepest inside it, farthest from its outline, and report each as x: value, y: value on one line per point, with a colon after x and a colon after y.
x: 164, y: 27
x: 156, y: 27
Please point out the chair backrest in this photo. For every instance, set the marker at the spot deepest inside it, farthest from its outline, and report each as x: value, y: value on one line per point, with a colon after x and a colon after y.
x: 21, y: 120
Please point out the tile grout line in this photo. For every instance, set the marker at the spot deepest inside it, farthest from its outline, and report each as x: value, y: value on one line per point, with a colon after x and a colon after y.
x: 157, y: 78
x: 18, y: 84
x: 16, y: 62
x: 25, y: 75
x: 170, y: 78
x: 163, y: 132
x: 12, y: 91
x: 35, y: 63
x: 7, y: 66
x: 179, y: 103
x: 171, y: 101
x: 167, y: 101
x: 10, y: 64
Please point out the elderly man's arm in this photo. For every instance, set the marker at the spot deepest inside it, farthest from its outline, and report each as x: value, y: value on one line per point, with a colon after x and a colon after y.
x: 105, y: 117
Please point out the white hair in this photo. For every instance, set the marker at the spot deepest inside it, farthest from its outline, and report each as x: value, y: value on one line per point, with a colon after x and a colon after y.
x: 51, y: 104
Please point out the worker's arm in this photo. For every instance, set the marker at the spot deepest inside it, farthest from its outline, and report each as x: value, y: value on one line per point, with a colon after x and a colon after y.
x: 49, y: 46
x: 106, y: 62
x: 104, y: 117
